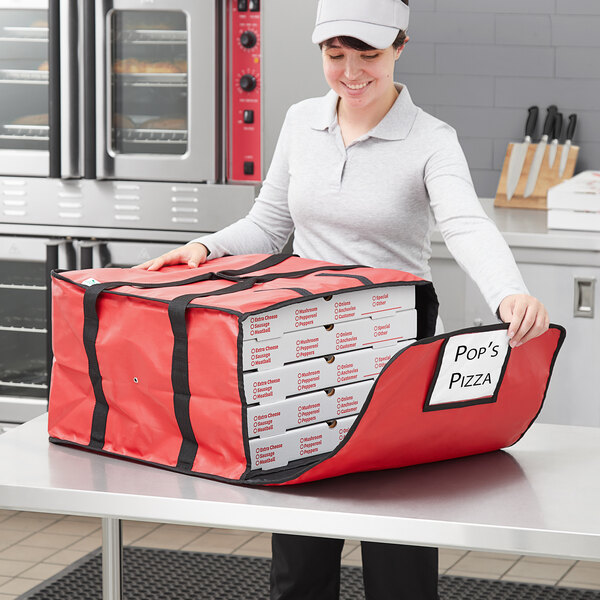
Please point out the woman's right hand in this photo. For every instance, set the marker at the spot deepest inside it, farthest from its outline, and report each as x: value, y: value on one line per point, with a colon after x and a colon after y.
x: 191, y: 255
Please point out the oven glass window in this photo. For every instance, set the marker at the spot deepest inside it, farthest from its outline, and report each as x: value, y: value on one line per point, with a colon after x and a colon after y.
x: 23, y: 368
x: 23, y: 79
x: 149, y: 82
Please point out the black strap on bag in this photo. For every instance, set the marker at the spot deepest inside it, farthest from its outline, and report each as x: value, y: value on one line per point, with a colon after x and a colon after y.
x: 180, y: 376
x: 229, y: 275
x: 91, y: 326
x: 180, y: 380
x: 90, y: 333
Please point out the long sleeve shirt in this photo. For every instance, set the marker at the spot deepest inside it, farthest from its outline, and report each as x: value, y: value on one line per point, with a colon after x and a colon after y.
x: 374, y: 202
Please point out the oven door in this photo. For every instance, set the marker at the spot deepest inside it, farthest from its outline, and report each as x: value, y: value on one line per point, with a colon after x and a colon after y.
x: 25, y: 342
x: 24, y: 122
x: 158, y: 111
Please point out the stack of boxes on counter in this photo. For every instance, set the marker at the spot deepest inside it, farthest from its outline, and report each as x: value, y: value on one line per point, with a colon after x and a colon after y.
x: 575, y: 203
x: 309, y: 367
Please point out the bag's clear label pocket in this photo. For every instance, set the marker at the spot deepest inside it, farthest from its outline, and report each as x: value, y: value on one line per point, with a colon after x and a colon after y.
x: 469, y: 370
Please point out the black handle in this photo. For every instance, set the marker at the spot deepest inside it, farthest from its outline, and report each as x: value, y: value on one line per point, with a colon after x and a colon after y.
x: 105, y: 257
x: 86, y: 256
x: 89, y: 82
x: 51, y: 265
x: 532, y: 119
x: 241, y: 283
x: 571, y: 126
x: 549, y: 122
x: 54, y: 87
x: 558, y: 121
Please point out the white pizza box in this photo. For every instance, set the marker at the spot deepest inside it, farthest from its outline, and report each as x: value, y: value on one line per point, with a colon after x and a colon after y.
x: 279, y: 450
x: 575, y: 220
x: 262, y: 387
x: 580, y: 193
x: 265, y: 420
x: 346, y: 306
x: 329, y: 339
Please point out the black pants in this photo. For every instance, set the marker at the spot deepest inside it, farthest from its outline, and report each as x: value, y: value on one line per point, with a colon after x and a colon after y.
x: 308, y: 568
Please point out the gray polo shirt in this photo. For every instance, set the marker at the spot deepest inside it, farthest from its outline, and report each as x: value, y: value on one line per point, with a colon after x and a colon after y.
x: 375, y: 201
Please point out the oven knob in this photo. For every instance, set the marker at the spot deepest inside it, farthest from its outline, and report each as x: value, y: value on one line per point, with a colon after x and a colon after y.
x: 248, y: 39
x: 248, y: 82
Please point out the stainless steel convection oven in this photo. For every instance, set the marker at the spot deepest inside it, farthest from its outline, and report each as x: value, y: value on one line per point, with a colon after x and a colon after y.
x: 128, y: 127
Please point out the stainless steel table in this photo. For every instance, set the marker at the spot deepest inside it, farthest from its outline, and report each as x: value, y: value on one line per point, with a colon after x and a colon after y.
x: 540, y: 497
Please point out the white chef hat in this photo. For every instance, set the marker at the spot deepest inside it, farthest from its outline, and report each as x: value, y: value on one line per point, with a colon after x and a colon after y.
x: 375, y: 22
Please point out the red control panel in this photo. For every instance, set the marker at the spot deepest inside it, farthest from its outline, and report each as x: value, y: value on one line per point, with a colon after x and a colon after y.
x: 244, y: 91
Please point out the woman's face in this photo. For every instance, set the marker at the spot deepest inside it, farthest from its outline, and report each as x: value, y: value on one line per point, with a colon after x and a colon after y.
x: 360, y: 78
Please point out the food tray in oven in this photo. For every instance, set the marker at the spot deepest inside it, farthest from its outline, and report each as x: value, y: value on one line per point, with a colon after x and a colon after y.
x: 26, y: 132
x: 35, y: 34
x: 23, y: 75
x: 154, y: 36
x: 152, y: 79
x: 152, y: 136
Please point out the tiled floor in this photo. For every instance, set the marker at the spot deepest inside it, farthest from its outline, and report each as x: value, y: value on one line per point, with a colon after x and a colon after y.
x: 35, y: 546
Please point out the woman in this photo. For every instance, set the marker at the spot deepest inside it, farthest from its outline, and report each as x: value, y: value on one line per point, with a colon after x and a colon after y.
x: 360, y: 175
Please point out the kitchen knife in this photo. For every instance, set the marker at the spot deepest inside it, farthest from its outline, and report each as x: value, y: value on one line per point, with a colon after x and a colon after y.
x: 519, y: 152
x: 554, y: 145
x: 567, y: 145
x: 538, y: 157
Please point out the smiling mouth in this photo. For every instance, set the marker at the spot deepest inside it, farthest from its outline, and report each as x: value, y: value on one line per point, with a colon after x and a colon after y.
x: 356, y: 86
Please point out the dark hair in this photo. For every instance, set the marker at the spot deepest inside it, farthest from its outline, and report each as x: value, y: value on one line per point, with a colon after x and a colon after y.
x: 356, y: 44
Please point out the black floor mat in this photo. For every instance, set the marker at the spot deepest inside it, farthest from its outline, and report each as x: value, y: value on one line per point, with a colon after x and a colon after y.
x: 154, y: 574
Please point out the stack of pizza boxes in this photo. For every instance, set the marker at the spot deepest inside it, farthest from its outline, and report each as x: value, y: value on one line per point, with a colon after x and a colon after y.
x: 309, y: 367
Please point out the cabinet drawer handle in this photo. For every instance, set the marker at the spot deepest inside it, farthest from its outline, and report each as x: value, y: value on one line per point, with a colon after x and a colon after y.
x: 583, y: 305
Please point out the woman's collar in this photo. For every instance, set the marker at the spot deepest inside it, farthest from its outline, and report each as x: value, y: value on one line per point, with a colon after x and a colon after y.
x: 396, y: 124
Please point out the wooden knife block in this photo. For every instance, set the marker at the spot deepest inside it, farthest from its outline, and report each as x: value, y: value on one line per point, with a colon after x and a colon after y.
x: 547, y: 178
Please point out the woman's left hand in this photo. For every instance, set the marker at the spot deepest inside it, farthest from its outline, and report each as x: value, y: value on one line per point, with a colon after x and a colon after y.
x: 527, y: 316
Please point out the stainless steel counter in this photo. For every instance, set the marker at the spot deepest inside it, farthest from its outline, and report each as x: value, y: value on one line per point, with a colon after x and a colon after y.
x: 540, y: 497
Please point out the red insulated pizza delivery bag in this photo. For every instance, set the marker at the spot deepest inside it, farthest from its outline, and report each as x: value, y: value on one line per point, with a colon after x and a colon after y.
x: 273, y: 369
